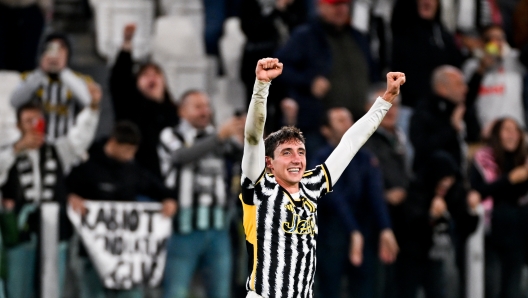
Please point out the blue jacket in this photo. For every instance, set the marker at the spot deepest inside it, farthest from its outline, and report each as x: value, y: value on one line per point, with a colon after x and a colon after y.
x: 306, y: 55
x: 357, y: 197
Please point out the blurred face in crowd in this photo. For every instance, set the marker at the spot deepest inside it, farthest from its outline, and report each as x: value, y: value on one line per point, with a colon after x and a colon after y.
x: 55, y: 58
x: 288, y: 163
x: 337, y: 14
x: 196, y: 110
x: 444, y: 185
x: 452, y: 86
x: 29, y: 121
x: 121, y: 152
x: 495, y: 35
x: 427, y: 9
x: 151, y: 83
x: 510, y: 135
x: 391, y: 118
x: 340, y: 120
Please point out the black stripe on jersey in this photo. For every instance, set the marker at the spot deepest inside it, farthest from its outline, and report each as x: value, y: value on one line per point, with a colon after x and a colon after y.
x: 306, y: 282
x: 247, y: 196
x: 330, y: 187
x: 261, y: 230
x: 274, y: 263
x: 251, y: 258
x: 298, y: 267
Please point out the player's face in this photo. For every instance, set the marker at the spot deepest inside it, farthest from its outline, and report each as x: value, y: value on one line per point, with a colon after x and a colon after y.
x: 289, y: 162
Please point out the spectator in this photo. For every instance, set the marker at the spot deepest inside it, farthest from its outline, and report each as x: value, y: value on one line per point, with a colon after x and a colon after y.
x: 437, y: 195
x: 141, y: 97
x: 327, y: 63
x: 111, y: 175
x: 267, y: 26
x: 192, y: 163
x: 500, y: 174
x: 420, y: 44
x: 21, y: 26
x: 61, y: 92
x: 351, y: 219
x: 32, y: 172
x: 501, y: 72
x: 388, y: 144
x: 438, y: 123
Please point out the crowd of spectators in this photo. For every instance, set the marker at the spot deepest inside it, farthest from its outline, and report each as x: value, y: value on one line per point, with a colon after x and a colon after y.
x: 401, y: 215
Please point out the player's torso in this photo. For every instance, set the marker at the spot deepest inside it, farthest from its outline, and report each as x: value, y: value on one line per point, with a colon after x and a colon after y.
x: 286, y: 230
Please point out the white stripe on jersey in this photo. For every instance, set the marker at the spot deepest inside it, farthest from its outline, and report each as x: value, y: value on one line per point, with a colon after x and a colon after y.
x: 293, y: 263
x: 305, y: 252
x: 282, y: 263
x: 267, y: 244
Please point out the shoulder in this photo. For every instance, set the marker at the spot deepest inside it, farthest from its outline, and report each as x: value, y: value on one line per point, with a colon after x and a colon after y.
x: 86, y: 78
x: 170, y: 136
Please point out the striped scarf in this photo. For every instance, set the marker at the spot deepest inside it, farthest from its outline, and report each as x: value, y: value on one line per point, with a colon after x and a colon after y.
x: 38, y: 184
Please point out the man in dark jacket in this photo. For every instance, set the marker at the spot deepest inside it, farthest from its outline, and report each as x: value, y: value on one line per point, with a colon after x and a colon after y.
x: 111, y: 175
x: 420, y: 44
x: 353, y: 219
x: 439, y: 122
x: 142, y: 99
x: 326, y: 64
x: 436, y: 199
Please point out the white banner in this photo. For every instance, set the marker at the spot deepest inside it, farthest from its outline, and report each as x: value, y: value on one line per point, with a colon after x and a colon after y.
x: 126, y: 241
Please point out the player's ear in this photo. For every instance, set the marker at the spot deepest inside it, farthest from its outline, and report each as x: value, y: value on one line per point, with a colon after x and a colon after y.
x: 268, y: 163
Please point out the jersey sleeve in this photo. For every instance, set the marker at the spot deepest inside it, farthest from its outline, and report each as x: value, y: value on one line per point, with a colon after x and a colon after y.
x: 318, y: 181
x: 248, y: 188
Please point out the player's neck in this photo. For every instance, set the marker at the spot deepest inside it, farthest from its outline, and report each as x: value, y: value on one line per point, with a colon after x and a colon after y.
x: 289, y: 187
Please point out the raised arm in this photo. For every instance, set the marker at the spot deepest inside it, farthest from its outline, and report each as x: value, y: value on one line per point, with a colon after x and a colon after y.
x: 77, y: 86
x: 26, y: 89
x: 254, y: 152
x: 359, y: 133
x: 72, y: 147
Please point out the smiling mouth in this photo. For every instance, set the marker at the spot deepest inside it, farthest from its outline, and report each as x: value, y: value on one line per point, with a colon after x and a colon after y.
x: 294, y: 170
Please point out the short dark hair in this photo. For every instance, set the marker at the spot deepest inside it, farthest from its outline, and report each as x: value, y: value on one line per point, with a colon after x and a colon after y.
x: 281, y: 136
x: 489, y: 27
x: 126, y: 132
x: 325, y: 121
x: 26, y: 107
x: 188, y: 93
x: 144, y: 66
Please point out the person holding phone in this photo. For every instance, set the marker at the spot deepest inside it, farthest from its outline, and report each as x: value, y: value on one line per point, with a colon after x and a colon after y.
x: 32, y: 172
x: 500, y: 73
x: 62, y: 92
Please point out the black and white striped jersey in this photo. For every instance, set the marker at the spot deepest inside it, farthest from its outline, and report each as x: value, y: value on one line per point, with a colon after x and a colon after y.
x: 62, y: 98
x: 281, y: 233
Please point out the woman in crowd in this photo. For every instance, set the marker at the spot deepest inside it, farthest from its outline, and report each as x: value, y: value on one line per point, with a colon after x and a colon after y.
x: 500, y: 174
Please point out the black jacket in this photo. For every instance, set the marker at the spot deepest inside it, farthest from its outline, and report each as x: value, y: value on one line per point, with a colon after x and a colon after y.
x: 308, y: 54
x: 130, y: 104
x: 419, y: 46
x: 415, y: 232
x: 105, y: 179
x: 431, y: 130
x: 391, y: 156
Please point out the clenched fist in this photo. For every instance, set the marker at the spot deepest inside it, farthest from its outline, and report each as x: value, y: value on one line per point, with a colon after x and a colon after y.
x: 268, y: 69
x: 394, y: 81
